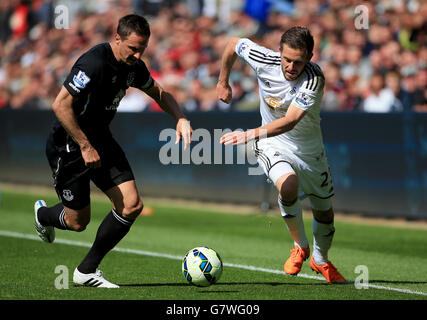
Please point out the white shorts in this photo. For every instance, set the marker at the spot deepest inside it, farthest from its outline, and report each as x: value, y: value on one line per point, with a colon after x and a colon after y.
x: 314, y: 177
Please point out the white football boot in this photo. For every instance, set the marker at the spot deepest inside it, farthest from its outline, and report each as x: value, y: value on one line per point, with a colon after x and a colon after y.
x: 95, y: 279
x: 47, y: 234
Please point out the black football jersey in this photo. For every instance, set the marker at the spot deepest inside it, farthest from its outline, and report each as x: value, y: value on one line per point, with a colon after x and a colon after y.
x: 98, y: 82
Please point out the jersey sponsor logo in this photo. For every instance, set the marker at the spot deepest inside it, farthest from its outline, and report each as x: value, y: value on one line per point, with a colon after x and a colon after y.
x: 273, y: 102
x: 67, y: 195
x: 74, y: 87
x: 116, y: 100
x: 81, y: 80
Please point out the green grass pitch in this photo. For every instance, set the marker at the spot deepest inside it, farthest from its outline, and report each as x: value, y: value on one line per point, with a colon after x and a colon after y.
x: 147, y: 265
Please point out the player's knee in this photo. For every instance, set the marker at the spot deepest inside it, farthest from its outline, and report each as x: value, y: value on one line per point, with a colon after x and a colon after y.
x: 288, y: 188
x: 78, y: 227
x: 324, y: 216
x: 133, y: 209
x: 77, y: 220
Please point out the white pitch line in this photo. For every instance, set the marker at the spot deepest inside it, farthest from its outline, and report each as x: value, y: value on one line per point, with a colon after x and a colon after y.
x: 174, y: 257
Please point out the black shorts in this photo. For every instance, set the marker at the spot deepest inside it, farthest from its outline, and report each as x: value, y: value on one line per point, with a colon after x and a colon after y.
x: 72, y: 178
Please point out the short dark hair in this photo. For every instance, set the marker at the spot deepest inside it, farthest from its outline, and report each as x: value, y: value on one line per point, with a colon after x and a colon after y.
x: 298, y: 38
x: 133, y: 23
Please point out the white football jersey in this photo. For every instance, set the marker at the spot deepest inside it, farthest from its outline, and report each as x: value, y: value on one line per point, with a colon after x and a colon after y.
x: 277, y: 94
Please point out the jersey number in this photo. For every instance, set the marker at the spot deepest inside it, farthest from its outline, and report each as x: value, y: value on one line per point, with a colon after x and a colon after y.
x: 325, y: 181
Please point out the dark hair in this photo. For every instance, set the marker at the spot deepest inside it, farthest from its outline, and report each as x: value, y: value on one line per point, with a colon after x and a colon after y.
x: 298, y: 38
x: 133, y: 23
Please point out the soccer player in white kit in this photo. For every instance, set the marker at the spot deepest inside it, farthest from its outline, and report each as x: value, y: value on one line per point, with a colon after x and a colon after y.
x: 289, y: 145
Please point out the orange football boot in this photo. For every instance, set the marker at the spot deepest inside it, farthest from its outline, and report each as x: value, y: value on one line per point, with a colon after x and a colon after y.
x: 328, y: 270
x: 294, y: 263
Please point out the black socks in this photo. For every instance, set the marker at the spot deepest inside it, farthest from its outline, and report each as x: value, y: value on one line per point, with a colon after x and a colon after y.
x: 110, y: 232
x: 52, y: 216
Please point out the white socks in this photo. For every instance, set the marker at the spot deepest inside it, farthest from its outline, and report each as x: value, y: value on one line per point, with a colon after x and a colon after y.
x: 323, y: 233
x: 322, y: 239
x: 292, y: 214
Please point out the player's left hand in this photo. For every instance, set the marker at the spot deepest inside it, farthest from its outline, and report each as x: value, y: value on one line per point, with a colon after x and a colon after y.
x: 183, y: 129
x: 237, y: 137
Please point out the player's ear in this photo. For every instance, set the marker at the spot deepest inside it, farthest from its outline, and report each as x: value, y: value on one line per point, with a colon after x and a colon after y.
x: 310, y: 56
x: 117, y: 38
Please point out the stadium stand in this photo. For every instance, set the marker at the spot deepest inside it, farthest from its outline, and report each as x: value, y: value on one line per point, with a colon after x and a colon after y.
x: 382, y: 68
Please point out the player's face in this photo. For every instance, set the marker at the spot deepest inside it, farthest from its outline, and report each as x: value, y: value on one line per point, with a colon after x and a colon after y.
x: 131, y: 48
x: 293, y: 61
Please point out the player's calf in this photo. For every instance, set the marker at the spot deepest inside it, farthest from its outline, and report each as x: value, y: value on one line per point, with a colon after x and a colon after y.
x: 112, y: 229
x: 323, y: 233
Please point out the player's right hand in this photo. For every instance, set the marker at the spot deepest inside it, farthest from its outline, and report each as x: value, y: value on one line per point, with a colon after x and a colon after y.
x: 91, y: 157
x: 223, y: 91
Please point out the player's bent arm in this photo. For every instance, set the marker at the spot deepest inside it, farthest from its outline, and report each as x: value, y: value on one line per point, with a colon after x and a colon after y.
x: 281, y: 125
x: 62, y: 106
x: 229, y: 56
x: 63, y: 109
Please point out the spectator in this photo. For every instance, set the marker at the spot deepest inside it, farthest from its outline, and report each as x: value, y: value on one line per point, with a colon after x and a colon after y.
x: 334, y: 87
x: 6, y: 11
x: 380, y: 99
x: 401, y: 98
x: 190, y: 36
x: 420, y: 96
x: 409, y: 81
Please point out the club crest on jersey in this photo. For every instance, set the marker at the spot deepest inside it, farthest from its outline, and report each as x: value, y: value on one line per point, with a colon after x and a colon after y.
x: 67, y: 195
x: 272, y: 102
x: 81, y: 80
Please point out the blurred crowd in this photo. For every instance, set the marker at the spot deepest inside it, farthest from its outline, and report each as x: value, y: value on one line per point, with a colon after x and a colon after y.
x: 372, y: 63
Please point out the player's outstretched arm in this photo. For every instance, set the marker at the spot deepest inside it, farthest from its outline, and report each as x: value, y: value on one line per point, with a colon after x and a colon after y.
x: 168, y: 103
x: 271, y: 129
x: 62, y: 106
x: 223, y: 89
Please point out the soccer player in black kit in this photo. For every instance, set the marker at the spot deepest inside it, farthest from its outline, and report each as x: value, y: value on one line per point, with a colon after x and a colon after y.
x: 80, y: 147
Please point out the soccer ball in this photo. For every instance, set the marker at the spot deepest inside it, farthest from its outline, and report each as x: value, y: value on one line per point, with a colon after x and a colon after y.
x: 202, y: 266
